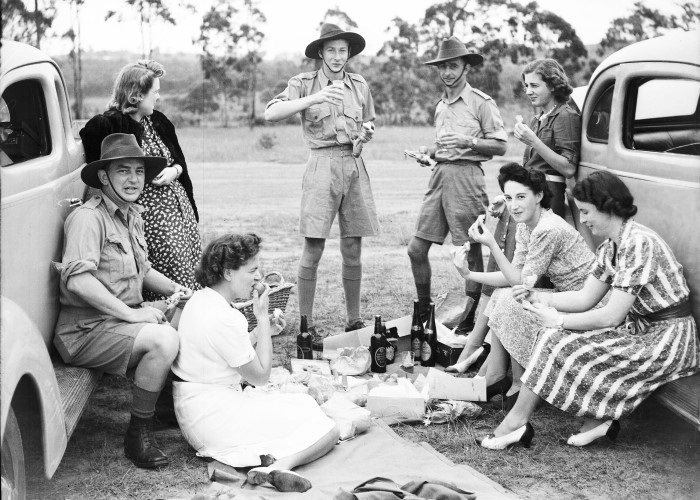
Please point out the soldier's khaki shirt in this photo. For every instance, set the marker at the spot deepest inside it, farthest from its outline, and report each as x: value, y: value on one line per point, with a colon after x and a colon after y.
x: 471, y: 113
x: 324, y: 124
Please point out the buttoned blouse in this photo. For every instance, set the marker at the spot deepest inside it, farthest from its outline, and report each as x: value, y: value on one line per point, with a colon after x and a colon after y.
x: 324, y: 124
x: 560, y: 131
x: 99, y: 238
x: 643, y: 265
x: 471, y: 113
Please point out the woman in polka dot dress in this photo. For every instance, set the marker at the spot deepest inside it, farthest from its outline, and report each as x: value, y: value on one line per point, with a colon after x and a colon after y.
x: 170, y: 215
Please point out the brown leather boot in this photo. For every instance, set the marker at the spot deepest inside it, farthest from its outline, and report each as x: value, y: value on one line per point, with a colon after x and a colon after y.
x: 140, y: 445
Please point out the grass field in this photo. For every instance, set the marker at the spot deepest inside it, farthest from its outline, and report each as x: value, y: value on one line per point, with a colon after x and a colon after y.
x: 243, y: 187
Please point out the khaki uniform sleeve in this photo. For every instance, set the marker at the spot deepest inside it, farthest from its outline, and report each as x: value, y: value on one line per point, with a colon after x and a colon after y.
x: 491, y: 121
x: 84, y: 239
x: 294, y: 90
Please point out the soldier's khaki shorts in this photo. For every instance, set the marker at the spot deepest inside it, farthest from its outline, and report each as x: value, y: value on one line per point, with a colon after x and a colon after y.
x: 337, y: 183
x: 456, y: 196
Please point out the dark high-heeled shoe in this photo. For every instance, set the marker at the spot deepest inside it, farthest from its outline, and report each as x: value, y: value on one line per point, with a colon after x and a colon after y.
x: 522, y: 436
x: 609, y: 429
x: 500, y: 387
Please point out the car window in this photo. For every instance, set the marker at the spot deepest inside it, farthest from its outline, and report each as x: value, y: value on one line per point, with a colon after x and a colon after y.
x: 598, y: 127
x: 24, y: 130
x: 663, y: 116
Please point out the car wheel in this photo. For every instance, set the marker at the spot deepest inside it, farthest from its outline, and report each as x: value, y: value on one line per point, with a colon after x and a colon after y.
x: 13, y: 479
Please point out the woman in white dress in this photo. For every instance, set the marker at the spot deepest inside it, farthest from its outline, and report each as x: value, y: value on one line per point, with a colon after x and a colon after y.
x: 273, y: 433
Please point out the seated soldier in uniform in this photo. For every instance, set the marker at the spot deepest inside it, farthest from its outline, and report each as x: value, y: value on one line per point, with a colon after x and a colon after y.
x: 103, y: 323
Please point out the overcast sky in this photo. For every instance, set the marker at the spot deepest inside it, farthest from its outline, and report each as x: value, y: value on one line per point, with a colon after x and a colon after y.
x: 292, y: 24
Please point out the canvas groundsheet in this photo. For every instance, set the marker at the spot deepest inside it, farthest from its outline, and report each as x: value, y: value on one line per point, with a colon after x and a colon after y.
x: 379, y: 452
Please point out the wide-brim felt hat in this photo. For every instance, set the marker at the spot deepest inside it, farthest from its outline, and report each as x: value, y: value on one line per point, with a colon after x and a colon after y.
x: 121, y: 147
x: 451, y: 48
x: 332, y: 32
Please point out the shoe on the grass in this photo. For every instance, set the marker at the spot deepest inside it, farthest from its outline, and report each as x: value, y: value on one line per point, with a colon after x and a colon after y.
x: 140, y: 446
x: 355, y: 326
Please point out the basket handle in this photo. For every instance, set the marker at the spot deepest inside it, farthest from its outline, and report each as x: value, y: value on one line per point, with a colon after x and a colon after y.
x: 273, y: 273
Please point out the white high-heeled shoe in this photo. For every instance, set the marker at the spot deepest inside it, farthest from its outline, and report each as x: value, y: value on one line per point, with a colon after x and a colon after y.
x: 463, y: 366
x: 611, y: 429
x: 522, y: 436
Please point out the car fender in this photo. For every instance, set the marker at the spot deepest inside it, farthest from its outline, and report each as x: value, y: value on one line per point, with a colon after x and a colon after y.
x: 24, y: 353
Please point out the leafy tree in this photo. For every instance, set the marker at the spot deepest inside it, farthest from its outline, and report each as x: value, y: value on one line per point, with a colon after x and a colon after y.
x: 231, y: 41
x: 148, y: 11
x: 690, y: 17
x: 24, y: 24
x: 339, y: 18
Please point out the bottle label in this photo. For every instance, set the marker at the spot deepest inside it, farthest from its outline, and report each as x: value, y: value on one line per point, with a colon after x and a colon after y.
x: 304, y: 352
x: 380, y: 356
x: 390, y: 354
x: 416, y: 345
x: 426, y: 352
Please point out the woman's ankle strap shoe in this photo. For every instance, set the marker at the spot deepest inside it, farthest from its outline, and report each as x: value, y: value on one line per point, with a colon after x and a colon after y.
x: 500, y: 387
x: 610, y: 429
x: 521, y: 436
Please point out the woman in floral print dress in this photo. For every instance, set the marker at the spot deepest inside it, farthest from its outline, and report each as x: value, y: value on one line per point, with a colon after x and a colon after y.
x: 601, y: 363
x: 170, y: 216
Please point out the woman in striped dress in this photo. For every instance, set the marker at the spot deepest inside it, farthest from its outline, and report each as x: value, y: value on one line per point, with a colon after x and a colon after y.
x: 601, y: 363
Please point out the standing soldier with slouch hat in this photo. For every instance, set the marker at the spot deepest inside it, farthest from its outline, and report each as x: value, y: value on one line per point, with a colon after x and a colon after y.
x: 334, y: 105
x: 103, y: 322
x: 469, y: 131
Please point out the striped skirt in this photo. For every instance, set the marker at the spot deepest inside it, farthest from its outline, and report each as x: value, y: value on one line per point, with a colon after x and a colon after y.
x: 606, y: 374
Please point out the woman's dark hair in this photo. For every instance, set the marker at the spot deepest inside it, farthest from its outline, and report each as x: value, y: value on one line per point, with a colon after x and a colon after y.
x: 229, y: 251
x: 607, y: 193
x: 532, y: 179
x: 553, y: 75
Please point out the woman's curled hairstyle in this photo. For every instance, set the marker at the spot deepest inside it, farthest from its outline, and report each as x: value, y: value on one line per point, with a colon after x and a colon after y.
x: 533, y: 179
x: 553, y: 75
x: 229, y: 251
x: 132, y: 83
x: 607, y: 193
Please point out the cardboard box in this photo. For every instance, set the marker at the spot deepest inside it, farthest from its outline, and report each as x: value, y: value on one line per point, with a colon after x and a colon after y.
x: 360, y: 337
x: 441, y: 385
x: 446, y: 355
x: 397, y: 403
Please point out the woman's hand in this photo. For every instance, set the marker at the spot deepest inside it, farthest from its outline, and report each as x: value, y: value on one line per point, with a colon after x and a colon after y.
x: 183, y: 295
x: 523, y: 293
x: 497, y: 206
x: 261, y: 302
x: 546, y: 316
x: 166, y: 176
x: 524, y: 134
x: 459, y: 259
x: 480, y: 233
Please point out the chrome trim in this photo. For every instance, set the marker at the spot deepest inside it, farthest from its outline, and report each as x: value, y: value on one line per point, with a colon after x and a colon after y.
x: 661, y: 180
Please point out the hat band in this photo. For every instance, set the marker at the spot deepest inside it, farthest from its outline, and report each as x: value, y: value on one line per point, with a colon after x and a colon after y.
x: 122, y: 151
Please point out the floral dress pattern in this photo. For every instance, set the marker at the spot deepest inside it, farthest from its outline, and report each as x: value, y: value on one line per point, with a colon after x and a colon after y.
x: 607, y: 373
x: 172, y: 235
x: 553, y: 249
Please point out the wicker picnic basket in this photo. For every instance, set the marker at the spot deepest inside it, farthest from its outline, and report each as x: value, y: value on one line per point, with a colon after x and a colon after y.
x: 279, y: 294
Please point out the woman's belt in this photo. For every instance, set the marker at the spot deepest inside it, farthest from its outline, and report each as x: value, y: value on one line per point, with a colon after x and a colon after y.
x: 638, y: 324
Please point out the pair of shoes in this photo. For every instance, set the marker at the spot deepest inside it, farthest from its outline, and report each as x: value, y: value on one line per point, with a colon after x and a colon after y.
x: 355, y: 326
x: 522, y: 436
x: 509, y: 401
x: 475, y: 360
x: 500, y: 387
x: 610, y: 429
x: 282, y: 480
x: 140, y: 446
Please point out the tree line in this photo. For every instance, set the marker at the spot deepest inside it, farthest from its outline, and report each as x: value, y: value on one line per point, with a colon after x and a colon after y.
x: 234, y: 79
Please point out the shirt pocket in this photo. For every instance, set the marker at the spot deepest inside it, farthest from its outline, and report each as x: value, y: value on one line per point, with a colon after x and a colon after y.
x: 546, y: 135
x: 121, y: 261
x: 315, y: 117
x: 353, y: 117
x: 141, y: 251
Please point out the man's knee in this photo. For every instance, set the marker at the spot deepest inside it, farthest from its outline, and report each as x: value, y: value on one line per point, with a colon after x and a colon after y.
x: 312, y: 251
x: 351, y: 251
x: 165, y: 343
x: 418, y: 249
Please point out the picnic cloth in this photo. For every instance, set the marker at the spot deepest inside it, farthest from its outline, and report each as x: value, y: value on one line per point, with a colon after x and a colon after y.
x: 378, y: 452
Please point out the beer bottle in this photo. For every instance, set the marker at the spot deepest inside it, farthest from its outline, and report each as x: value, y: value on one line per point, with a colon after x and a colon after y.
x: 416, y: 332
x: 390, y: 346
x: 377, y: 348
x: 429, y: 345
x: 304, y: 341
